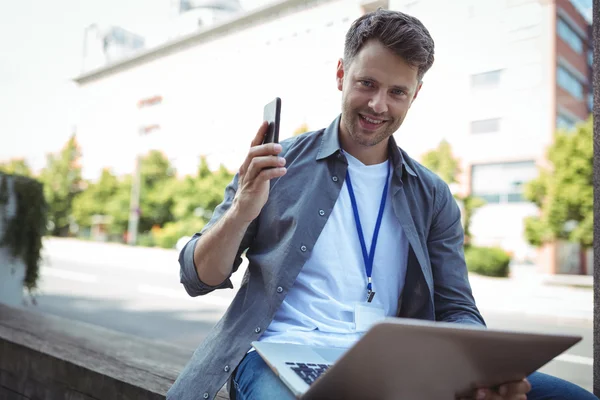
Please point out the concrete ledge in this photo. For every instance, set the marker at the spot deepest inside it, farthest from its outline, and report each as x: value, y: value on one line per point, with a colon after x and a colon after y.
x: 47, y: 357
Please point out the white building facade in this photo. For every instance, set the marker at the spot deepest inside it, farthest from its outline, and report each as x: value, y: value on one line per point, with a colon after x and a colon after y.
x: 490, y: 93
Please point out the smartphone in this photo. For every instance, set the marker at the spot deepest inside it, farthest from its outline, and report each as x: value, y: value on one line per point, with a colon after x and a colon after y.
x: 272, y: 114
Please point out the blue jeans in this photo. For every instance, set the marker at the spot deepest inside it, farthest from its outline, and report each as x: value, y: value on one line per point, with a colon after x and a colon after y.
x: 254, y: 380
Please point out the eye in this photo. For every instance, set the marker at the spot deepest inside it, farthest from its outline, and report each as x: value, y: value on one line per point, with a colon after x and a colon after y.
x: 366, y: 83
x: 398, y: 92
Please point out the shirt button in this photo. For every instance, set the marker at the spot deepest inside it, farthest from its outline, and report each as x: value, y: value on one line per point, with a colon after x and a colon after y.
x: 334, y: 178
x: 303, y: 248
x: 257, y: 330
x: 279, y: 289
x: 321, y: 213
x: 205, y: 395
x: 226, y: 369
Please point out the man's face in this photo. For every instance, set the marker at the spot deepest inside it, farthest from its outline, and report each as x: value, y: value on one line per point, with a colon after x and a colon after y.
x: 378, y: 88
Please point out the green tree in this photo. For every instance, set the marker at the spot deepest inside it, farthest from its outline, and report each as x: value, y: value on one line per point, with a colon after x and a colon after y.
x: 62, y: 183
x: 118, y: 206
x: 156, y: 199
x: 194, y: 199
x: 564, y: 192
x: 96, y: 197
x: 301, y: 129
x: 442, y: 162
x: 16, y: 166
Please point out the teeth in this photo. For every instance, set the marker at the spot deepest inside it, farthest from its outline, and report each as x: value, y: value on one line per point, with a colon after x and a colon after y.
x: 373, y: 121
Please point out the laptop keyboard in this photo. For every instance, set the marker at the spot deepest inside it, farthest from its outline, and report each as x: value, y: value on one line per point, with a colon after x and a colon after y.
x: 308, y: 372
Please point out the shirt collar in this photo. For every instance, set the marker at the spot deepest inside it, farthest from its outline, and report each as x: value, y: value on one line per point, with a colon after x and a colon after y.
x: 330, y: 144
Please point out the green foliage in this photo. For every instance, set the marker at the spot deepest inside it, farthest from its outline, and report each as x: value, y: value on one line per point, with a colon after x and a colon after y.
x: 118, y: 206
x: 564, y: 191
x: 470, y: 204
x: 488, y: 261
x: 95, y: 199
x: 156, y: 192
x: 24, y: 231
x: 194, y: 199
x: 442, y: 162
x: 146, y: 240
x: 62, y: 182
x: 171, y: 207
x: 168, y: 236
x: 16, y: 166
x: 303, y: 128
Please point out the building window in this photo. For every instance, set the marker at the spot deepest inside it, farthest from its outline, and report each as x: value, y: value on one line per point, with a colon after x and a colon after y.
x: 567, y: 34
x: 591, y: 58
x: 590, y: 102
x: 565, y: 122
x: 486, y: 79
x: 502, y: 182
x: 485, y: 125
x: 570, y: 83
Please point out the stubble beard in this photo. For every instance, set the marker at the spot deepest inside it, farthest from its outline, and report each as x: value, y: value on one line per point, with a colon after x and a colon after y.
x: 368, y: 140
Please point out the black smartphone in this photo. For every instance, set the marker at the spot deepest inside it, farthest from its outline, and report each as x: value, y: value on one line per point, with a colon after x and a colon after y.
x: 272, y: 114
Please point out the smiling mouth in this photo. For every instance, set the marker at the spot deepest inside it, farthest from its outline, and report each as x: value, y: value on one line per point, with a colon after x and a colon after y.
x: 371, y: 122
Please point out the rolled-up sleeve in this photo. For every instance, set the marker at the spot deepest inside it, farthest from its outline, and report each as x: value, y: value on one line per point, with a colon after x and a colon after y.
x: 454, y: 301
x: 187, y: 272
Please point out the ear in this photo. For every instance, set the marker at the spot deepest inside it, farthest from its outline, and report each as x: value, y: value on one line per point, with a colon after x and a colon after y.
x: 417, y: 91
x: 339, y: 74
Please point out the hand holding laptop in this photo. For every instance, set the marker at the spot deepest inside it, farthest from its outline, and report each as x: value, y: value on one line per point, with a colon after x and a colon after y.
x: 410, y: 359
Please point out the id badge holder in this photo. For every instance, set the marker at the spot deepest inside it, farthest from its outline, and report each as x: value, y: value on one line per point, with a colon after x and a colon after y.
x: 366, y: 315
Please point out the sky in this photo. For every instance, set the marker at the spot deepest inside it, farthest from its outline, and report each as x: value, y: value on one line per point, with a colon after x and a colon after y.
x: 41, y: 44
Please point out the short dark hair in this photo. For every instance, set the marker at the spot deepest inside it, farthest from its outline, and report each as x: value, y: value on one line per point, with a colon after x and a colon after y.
x: 401, y: 33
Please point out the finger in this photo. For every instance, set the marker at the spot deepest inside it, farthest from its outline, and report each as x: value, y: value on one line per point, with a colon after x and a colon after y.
x: 515, y: 388
x: 260, y: 134
x: 256, y: 141
x: 268, y: 174
x: 487, y: 394
x: 260, y: 163
x: 269, y: 149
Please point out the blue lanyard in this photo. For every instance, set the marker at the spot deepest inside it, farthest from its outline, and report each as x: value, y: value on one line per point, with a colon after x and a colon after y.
x: 368, y: 257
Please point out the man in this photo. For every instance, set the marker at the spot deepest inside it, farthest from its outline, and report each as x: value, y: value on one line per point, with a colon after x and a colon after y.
x: 331, y: 217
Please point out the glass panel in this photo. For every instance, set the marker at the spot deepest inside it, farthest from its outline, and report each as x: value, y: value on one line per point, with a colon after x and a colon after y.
x: 569, y: 36
x: 490, y: 78
x: 502, y: 182
x: 485, y: 125
x: 564, y: 122
x: 570, y: 83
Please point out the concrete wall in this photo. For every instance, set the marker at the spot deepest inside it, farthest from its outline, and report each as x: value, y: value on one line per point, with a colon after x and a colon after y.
x: 52, y: 358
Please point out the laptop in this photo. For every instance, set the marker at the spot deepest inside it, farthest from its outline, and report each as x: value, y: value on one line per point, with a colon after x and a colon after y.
x: 413, y: 359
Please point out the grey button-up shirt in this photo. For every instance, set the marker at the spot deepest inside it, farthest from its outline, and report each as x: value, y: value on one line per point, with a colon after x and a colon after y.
x: 281, y: 239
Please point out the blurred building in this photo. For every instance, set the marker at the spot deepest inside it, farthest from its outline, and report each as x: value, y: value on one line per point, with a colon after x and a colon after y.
x: 103, y: 45
x: 507, y: 74
x: 192, y: 15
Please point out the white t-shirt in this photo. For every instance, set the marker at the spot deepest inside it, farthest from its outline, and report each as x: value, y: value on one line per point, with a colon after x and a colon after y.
x: 319, y: 308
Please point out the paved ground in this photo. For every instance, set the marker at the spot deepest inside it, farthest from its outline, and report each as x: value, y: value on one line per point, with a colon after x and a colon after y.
x: 137, y: 290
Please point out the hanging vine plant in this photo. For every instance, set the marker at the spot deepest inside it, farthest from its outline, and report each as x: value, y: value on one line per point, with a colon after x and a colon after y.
x: 23, y: 231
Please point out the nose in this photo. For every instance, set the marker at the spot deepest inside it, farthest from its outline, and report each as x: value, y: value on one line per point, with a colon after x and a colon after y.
x: 378, y: 102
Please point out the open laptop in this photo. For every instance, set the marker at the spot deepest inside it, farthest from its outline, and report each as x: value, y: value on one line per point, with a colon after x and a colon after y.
x: 413, y: 359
